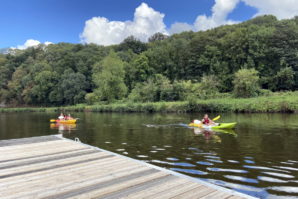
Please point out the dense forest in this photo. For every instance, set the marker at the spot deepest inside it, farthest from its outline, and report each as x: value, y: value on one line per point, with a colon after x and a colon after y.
x: 249, y: 59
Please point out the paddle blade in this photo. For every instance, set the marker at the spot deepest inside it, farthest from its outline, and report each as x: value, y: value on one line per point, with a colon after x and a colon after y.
x: 52, y: 120
x: 216, y: 118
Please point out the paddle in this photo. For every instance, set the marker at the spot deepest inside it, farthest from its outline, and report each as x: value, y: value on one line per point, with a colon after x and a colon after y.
x: 216, y: 118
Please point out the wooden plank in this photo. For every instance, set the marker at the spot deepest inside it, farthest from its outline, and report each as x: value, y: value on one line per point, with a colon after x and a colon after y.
x: 172, y: 184
x: 34, y: 156
x: 31, y: 148
x: 170, y: 193
x: 102, y: 189
x: 60, y: 170
x: 47, y: 159
x: 155, y: 182
x: 198, y: 192
x: 71, y: 188
x: 56, y: 165
x: 22, y: 141
x: 217, y: 194
x: 65, y: 179
x: 234, y: 197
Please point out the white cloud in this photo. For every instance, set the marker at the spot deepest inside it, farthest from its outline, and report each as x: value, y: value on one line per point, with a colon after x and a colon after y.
x: 30, y: 43
x: 146, y: 22
x: 282, y: 9
x: 220, y: 11
x: 180, y: 27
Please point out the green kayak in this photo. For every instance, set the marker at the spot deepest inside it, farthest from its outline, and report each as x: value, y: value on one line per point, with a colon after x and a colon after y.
x: 217, y: 126
x: 224, y: 126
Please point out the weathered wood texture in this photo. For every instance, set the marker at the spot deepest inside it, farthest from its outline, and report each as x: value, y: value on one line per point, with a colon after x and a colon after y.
x: 55, y: 167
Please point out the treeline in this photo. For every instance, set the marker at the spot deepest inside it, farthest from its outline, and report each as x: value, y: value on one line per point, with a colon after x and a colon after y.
x: 244, y: 60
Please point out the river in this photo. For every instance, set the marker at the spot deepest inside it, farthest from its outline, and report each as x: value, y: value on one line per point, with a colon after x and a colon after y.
x: 259, y: 158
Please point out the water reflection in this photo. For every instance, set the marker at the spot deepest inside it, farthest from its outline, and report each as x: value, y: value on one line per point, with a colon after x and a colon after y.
x: 63, y: 128
x: 209, y: 135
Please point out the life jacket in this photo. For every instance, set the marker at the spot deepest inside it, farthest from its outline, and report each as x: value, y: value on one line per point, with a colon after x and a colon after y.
x: 206, y: 121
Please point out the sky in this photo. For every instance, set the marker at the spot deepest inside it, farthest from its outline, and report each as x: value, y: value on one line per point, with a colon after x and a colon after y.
x: 105, y: 22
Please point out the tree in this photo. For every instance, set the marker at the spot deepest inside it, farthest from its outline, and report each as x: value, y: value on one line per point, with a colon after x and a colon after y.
x: 246, y: 83
x: 110, y: 80
x: 73, y: 86
x: 157, y: 37
x: 132, y: 43
x: 208, y: 87
x: 44, y: 83
x: 284, y: 79
x: 156, y: 88
x: 137, y: 71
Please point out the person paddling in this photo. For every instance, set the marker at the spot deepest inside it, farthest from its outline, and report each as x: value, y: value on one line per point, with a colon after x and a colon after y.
x: 206, y: 120
x: 61, y: 117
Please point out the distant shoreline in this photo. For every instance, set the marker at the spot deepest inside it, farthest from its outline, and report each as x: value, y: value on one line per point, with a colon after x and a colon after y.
x: 272, y: 104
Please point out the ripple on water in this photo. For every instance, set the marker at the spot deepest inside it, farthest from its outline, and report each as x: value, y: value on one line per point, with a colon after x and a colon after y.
x: 190, y: 171
x: 287, y: 189
x: 124, y: 143
x: 205, y: 163
x: 233, y: 161
x: 289, y: 163
x: 241, y: 179
x: 183, y: 164
x: 281, y: 175
x: 249, y: 161
x: 226, y: 170
x: 214, y: 160
x: 125, y: 153
x: 108, y: 142
x: 269, y: 179
x: 248, y: 157
x: 287, y: 168
x: 120, y: 149
x: 162, y: 162
x: 293, y: 161
x: 172, y: 159
x: 258, y: 192
x: 211, y: 156
x: 142, y: 156
x: 153, y: 151
x: 263, y: 168
x: 160, y: 149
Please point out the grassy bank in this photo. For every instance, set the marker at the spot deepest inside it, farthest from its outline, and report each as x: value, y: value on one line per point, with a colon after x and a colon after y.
x: 285, y: 102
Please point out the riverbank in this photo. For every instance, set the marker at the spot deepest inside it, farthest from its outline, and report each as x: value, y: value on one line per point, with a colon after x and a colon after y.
x: 282, y: 103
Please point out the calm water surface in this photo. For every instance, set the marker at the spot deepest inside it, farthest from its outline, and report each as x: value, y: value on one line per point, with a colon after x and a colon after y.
x: 260, y: 157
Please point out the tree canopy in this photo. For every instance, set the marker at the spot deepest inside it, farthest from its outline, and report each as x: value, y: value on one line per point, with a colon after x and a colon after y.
x: 261, y: 53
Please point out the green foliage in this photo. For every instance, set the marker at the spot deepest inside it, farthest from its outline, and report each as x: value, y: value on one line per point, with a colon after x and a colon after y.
x: 246, y: 83
x: 199, y: 65
x: 284, y: 79
x: 156, y: 88
x: 110, y: 80
x: 208, y: 87
x: 131, y: 43
x: 157, y: 37
x: 91, y: 98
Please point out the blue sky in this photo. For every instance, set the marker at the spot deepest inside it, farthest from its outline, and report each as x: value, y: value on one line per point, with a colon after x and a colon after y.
x: 64, y: 20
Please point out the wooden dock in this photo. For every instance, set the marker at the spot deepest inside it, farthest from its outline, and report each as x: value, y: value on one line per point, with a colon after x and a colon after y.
x: 56, y: 167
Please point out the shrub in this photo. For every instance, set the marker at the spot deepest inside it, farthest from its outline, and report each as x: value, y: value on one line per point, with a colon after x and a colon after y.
x: 246, y: 83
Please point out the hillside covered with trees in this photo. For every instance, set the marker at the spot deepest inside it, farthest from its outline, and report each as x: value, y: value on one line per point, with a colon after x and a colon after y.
x: 244, y: 60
